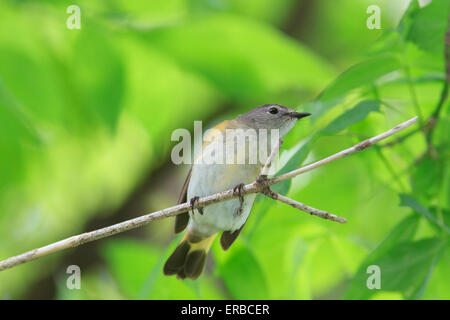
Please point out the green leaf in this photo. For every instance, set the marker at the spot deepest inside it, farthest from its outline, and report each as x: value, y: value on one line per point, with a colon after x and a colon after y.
x: 243, y: 275
x: 359, y: 75
x: 354, y: 115
x: 403, y: 231
x: 438, y: 289
x: 419, y: 291
x: 389, y: 42
x: 405, y: 268
x: 318, y: 108
x: 408, y: 201
x: 427, y: 177
x: 442, y: 213
x: 405, y: 23
x: 295, y: 161
x: 429, y: 25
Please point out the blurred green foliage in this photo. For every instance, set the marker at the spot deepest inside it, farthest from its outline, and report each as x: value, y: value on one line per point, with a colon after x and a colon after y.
x: 86, y: 117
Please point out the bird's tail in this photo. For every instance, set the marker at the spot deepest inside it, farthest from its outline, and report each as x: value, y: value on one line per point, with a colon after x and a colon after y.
x: 188, y: 259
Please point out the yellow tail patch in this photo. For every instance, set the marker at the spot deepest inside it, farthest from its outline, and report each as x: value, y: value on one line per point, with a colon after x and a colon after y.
x: 188, y: 259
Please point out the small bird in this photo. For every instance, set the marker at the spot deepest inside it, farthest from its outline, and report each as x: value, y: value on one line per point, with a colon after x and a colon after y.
x: 205, y: 178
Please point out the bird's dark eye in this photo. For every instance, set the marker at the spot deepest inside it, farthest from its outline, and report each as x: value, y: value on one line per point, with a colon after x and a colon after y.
x: 273, y: 110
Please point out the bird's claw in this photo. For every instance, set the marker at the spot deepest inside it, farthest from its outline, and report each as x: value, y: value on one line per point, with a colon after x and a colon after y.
x: 194, y: 202
x: 238, y: 190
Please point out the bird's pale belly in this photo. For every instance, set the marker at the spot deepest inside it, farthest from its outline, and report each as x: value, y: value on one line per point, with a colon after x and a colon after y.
x: 213, y: 178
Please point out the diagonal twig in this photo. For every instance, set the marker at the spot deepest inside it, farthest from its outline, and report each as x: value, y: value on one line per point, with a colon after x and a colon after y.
x: 262, y: 179
x: 266, y: 168
x: 254, y: 187
x: 357, y: 147
x: 303, y: 207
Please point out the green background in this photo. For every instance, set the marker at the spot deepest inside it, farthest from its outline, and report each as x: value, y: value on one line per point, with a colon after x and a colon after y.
x: 86, y: 117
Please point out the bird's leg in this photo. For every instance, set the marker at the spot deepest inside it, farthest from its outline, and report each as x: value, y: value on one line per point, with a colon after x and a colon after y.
x: 194, y: 202
x: 238, y: 190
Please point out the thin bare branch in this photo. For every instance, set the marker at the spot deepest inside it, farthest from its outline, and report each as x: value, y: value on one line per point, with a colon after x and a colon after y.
x: 255, y: 187
x: 266, y: 168
x: 357, y: 147
x: 401, y: 139
x: 303, y: 207
x: 276, y: 196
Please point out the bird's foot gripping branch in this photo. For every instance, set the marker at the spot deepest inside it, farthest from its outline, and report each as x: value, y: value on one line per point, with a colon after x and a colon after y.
x: 261, y: 185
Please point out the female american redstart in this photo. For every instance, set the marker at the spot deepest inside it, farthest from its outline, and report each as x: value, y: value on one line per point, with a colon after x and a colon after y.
x: 206, y: 177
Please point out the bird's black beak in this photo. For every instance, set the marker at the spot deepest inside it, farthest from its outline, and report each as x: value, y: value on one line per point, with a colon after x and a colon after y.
x: 298, y: 115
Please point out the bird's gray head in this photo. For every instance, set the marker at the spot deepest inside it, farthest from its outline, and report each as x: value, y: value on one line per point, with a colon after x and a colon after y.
x: 271, y: 116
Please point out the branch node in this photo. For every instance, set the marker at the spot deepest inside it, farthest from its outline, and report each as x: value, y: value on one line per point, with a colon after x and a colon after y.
x: 363, y: 145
